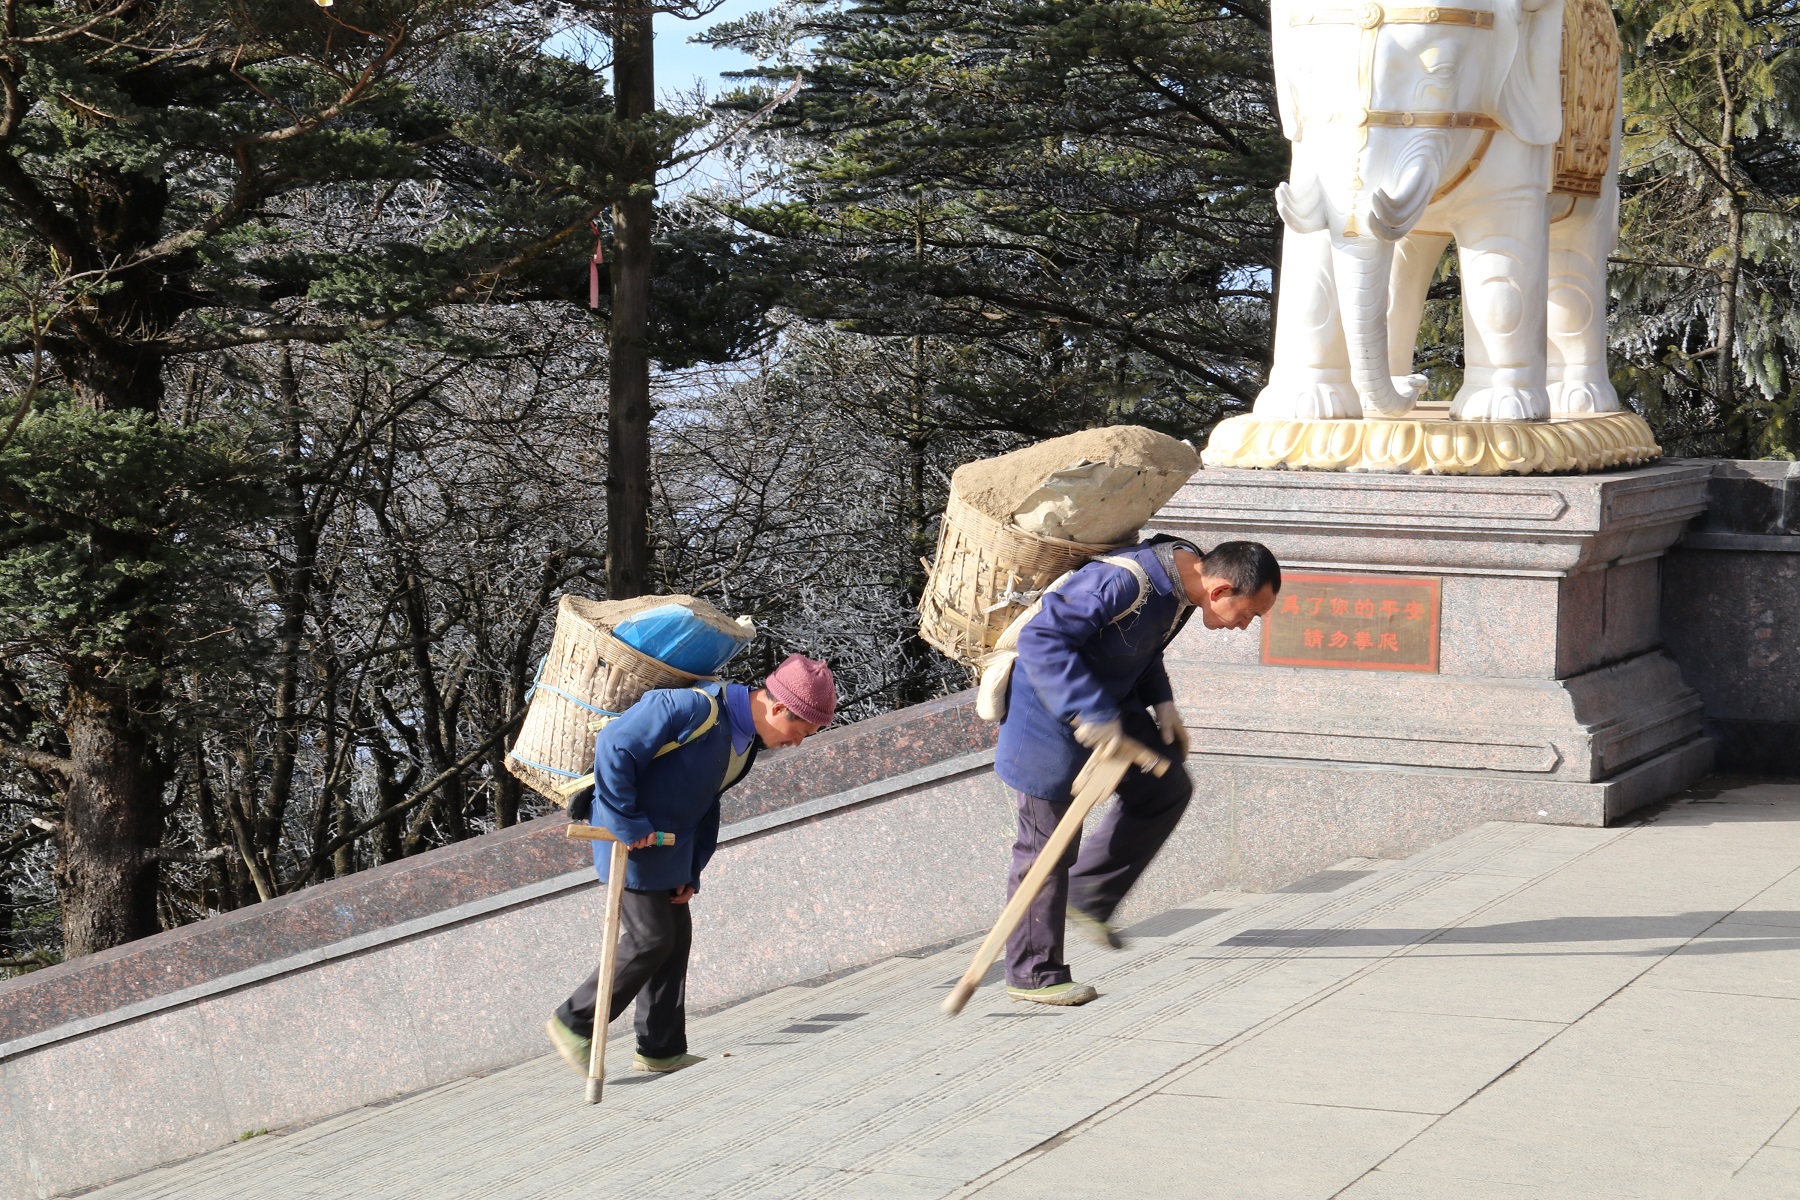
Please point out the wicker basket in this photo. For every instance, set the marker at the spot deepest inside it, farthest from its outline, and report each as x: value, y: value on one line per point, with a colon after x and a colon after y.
x: 587, y: 674
x: 986, y: 571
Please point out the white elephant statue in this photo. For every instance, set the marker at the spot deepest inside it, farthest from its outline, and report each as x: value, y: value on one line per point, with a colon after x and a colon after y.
x: 1412, y: 126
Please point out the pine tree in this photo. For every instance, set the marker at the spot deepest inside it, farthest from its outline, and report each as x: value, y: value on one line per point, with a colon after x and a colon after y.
x: 1708, y: 323
x: 172, y: 175
x: 1077, y: 192
x: 1052, y: 214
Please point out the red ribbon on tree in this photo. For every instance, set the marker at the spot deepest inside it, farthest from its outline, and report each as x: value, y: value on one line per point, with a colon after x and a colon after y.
x: 594, y: 265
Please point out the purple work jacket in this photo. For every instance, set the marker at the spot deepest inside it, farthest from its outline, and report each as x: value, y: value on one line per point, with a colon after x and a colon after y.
x: 1075, y: 663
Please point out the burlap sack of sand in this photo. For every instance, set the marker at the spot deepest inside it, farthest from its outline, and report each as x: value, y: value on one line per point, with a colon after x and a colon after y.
x: 1098, y: 486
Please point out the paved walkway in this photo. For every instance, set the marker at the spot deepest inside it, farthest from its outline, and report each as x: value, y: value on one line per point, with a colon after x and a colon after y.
x: 1524, y: 1011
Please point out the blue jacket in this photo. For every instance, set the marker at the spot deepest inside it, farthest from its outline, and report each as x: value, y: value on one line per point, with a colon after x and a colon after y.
x: 636, y: 792
x: 1076, y: 664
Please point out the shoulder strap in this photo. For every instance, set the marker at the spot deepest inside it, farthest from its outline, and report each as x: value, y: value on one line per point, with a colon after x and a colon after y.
x: 1009, y: 637
x: 698, y: 731
x: 1137, y: 572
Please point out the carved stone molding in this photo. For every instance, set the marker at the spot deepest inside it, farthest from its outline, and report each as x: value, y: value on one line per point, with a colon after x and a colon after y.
x: 1432, y: 444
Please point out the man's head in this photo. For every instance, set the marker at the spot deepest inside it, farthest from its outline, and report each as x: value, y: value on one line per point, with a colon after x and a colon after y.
x: 794, y: 702
x: 1232, y: 584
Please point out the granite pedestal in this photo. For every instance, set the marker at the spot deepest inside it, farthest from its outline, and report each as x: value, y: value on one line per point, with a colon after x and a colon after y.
x: 1549, y: 697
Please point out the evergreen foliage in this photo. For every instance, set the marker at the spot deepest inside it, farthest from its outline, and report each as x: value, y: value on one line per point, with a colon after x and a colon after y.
x: 188, y: 179
x: 117, y: 539
x: 1067, y: 200
x: 1707, y: 328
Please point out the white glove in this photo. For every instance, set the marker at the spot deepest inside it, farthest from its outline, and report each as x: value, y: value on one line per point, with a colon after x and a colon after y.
x: 1095, y: 734
x: 1109, y: 737
x: 1174, y: 733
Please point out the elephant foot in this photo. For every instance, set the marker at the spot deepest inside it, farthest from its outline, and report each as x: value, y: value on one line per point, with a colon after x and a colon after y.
x: 1307, y: 400
x: 1500, y: 403
x: 1583, y: 396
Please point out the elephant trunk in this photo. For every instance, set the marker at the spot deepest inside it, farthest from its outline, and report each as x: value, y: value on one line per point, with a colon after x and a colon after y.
x: 1362, y: 266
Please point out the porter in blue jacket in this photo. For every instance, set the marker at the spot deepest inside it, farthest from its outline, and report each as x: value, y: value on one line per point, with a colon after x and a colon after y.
x: 660, y: 767
x: 1090, y: 665
x: 641, y: 788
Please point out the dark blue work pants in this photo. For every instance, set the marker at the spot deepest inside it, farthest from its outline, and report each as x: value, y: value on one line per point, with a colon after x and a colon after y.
x: 1095, y: 875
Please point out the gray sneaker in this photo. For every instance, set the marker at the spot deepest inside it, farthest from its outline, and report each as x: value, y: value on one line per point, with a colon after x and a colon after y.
x: 1063, y: 995
x: 575, y: 1049
x: 664, y: 1066
x: 1094, y: 929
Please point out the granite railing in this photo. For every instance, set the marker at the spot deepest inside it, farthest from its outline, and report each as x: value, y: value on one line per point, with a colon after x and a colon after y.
x: 1731, y: 614
x: 871, y: 840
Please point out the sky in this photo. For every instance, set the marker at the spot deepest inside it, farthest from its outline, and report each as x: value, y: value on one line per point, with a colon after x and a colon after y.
x: 680, y: 62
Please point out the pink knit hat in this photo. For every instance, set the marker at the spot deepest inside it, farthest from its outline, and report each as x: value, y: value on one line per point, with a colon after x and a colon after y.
x: 806, y: 687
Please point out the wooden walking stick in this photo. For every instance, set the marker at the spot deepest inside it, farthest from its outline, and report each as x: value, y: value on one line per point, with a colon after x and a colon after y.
x: 609, y: 943
x: 1098, y: 779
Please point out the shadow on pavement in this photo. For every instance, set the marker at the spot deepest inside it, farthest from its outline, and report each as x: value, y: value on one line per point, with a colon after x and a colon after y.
x: 1748, y: 930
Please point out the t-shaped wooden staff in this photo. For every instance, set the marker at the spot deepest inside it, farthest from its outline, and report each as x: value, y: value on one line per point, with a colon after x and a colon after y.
x: 1099, y: 778
x: 609, y: 943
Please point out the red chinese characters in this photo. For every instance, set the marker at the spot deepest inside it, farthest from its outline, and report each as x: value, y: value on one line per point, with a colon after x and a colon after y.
x: 1355, y: 622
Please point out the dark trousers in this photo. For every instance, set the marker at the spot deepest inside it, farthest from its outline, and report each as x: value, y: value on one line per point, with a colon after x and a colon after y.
x: 1093, y: 877
x: 653, y: 955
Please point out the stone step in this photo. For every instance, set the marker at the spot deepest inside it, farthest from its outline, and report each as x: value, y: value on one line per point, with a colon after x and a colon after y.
x: 859, y: 1086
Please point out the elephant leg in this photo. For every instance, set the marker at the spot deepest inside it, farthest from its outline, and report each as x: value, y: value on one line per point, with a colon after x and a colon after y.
x: 1579, y: 247
x: 1416, y: 259
x: 1505, y: 252
x: 1310, y: 379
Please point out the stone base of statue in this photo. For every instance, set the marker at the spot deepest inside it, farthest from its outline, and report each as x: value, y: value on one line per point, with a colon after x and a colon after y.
x: 1445, y: 650
x: 1427, y: 442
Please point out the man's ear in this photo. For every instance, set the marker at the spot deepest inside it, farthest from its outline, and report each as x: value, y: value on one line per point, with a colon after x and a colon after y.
x: 1220, y: 590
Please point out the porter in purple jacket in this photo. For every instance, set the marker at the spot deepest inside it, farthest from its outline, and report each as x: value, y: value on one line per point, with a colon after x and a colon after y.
x: 1087, y: 657
x: 1089, y: 669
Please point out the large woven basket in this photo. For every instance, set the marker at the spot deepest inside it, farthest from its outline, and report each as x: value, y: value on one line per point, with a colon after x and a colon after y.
x: 987, y: 571
x: 587, y: 675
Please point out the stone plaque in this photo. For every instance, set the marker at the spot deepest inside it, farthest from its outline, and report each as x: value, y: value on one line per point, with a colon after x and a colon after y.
x: 1354, y: 622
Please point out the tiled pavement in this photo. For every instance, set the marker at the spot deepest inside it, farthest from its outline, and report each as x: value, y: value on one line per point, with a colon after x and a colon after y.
x: 1524, y: 1011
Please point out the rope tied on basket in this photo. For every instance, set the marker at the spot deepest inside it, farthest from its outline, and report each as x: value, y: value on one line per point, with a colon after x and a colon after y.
x: 1006, y: 599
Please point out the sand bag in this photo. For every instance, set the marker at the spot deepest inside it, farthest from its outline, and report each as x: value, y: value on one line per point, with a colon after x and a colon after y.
x: 1016, y: 522
x: 589, y: 675
x: 1098, y: 486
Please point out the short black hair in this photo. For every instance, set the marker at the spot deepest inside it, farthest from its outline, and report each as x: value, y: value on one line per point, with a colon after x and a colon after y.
x: 1247, y: 566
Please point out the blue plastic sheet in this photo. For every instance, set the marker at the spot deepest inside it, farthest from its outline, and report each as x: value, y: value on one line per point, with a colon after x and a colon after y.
x: 674, y: 635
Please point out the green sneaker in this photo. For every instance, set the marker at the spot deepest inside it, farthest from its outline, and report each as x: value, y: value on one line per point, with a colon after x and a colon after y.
x: 1095, y: 929
x: 1064, y: 995
x: 664, y: 1066
x: 575, y: 1049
